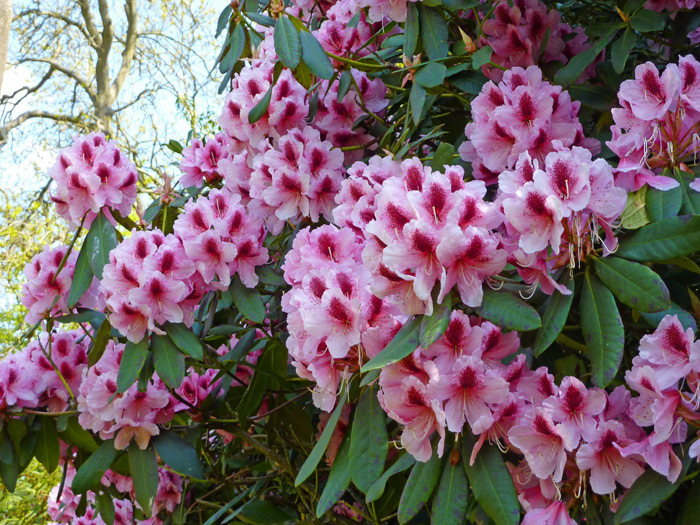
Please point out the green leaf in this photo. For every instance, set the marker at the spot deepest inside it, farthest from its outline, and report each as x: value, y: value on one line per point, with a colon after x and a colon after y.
x: 9, y: 470
x: 691, y: 506
x: 404, y: 462
x: 419, y: 486
x: 602, y: 330
x: 185, y: 340
x: 459, y: 5
x: 635, y: 214
x: 368, y: 445
x: 664, y: 239
x: 686, y: 319
x: 178, y: 454
x: 403, y: 344
x: 168, y: 361
x: 287, y: 42
x: 433, y: 32
x: 633, y: 284
x: 663, y: 204
x: 433, y: 326
x: 417, y: 100
x: 596, y: 97
x: 570, y: 73
x: 691, y: 198
x: 321, y: 445
x: 83, y: 315
x: 235, y: 45
x: 91, y: 471
x: 452, y: 496
x: 344, y: 84
x: 247, y: 301
x: 143, y: 465
x: 621, y: 49
x: 100, y: 240
x: 133, y: 359
x: 261, y: 512
x: 646, y: 21
x: 508, y: 311
x: 338, y: 479
x: 315, y: 57
x: 100, y: 343
x: 482, y: 57
x: 47, y: 449
x: 411, y: 28
x: 82, y: 276
x: 492, y: 484
x: 105, y: 507
x: 268, y: 276
x: 260, y: 108
x: 556, y: 310
x: 431, y: 75
x: 647, y: 493
x: 442, y: 157
x: 223, y: 20
x: 470, y: 82
x: 77, y: 436
x: 253, y: 396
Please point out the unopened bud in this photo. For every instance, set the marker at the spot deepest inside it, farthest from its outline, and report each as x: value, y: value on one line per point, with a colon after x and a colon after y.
x: 469, y: 44
x: 454, y: 457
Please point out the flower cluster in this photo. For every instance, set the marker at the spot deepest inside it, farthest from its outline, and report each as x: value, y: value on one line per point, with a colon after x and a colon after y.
x: 658, y: 123
x: 200, y: 161
x: 523, y: 113
x: 90, y: 175
x: 518, y: 32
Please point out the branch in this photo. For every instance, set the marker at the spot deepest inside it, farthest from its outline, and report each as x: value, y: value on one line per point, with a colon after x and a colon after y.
x: 58, y: 16
x: 36, y: 113
x: 90, y: 23
x: 102, y: 67
x: 138, y: 97
x: 7, y: 98
x: 82, y: 82
x: 129, y: 46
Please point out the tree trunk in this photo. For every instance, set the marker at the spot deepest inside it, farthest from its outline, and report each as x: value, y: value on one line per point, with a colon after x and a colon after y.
x: 5, y: 19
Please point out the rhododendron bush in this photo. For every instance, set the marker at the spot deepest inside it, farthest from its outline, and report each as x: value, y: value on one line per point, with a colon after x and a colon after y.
x: 439, y: 264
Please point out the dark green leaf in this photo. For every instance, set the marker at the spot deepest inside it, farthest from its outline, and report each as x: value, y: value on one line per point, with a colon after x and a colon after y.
x: 433, y: 32
x: 242, y: 347
x: 77, y: 436
x: 368, y: 445
x: 47, y: 449
x: 287, y: 42
x: 664, y: 239
x: 178, y: 454
x: 646, y: 21
x: 403, y: 344
x: 82, y: 276
x: 621, y: 49
x: 315, y: 57
x: 570, y: 73
x: 268, y: 276
x: 691, y: 198
x: 253, y: 396
x: 634, y: 284
x: 344, y: 84
x: 556, y: 310
x: 663, y: 204
x: 261, y: 512
x: 133, y: 359
x: 411, y: 28
x: 338, y: 479
x: 482, y: 57
x: 321, y: 445
x: 433, y: 326
x: 168, y: 361
x: 100, y: 343
x: 9, y: 471
x: 452, y: 496
x: 185, y: 340
x: 431, y: 75
x: 100, y: 240
x: 470, y: 82
x: 459, y: 5
x: 691, y: 506
x: 419, y: 486
x: 686, y: 319
x: 596, y: 97
x: 143, y: 465
x: 261, y: 107
x: 442, y: 157
x: 91, y: 471
x: 508, y: 311
x: 236, y: 44
x: 83, y: 315
x: 492, y: 484
x: 404, y: 462
x: 175, y: 146
x: 223, y: 20
x: 602, y: 330
x: 105, y: 508
x: 417, y: 99
x: 247, y: 301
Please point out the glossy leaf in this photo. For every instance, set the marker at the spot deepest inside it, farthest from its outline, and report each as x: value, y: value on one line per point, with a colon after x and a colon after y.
x: 602, y: 330
x: 482, y: 57
x: 452, y: 495
x: 508, y: 311
x: 556, y: 310
x: 369, y: 441
x: 573, y: 70
x: 223, y: 20
x: 663, y: 204
x: 185, y: 340
x: 442, y: 157
x: 431, y: 75
x: 247, y: 301
x: 100, y: 240
x: 168, y: 361
x: 338, y: 479
x: 261, y: 380
x: 315, y: 56
x: 260, y: 109
x: 403, y: 344
x: 621, y: 48
x: 433, y: 32
x: 77, y: 436
x: 664, y: 239
x: 646, y: 21
x: 105, y: 507
x: 417, y: 99
x: 143, y: 465
x: 404, y: 462
x: 419, y: 487
x: 47, y: 449
x: 635, y: 214
x: 133, y: 359
x: 82, y: 276
x: 99, y: 345
x: 287, y: 42
x: 411, y: 28
x: 690, y: 197
x: 178, y: 454
x: 262, y: 512
x: 90, y: 473
x: 633, y: 284
x: 686, y: 319
x: 433, y: 326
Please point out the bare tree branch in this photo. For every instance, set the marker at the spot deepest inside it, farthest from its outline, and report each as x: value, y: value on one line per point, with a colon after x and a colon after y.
x: 57, y: 16
x: 36, y: 113
x: 138, y: 97
x: 29, y: 90
x: 66, y: 71
x: 90, y: 23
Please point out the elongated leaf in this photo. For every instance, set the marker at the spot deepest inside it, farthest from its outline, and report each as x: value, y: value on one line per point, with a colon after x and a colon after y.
x: 91, y: 471
x: 648, y: 492
x: 491, y: 484
x: 321, y: 445
x: 261, y: 512
x: 82, y: 276
x: 635, y: 214
x: 556, y: 310
x: 143, y: 465
x: 433, y: 32
x: 368, y: 446
x: 410, y: 35
x: 596, y: 97
x: 105, y: 507
x: 687, y: 320
x: 508, y: 311
x: 573, y: 70
x: 403, y: 344
x: 100, y: 240
x: 452, y: 495
x: 185, y: 340
x: 9, y: 471
x: 287, y: 42
x: 664, y: 204
x: 223, y: 20
x: 178, y: 454
x: 260, y: 381
x: 315, y: 56
x: 77, y: 436
x: 646, y: 21
x: 404, y: 462
x: 133, y: 359
x: 433, y: 326
x: 338, y: 479
x: 469, y: 81
x: 633, y: 284
x: 431, y: 75
x: 690, y: 197
x: 602, y: 329
x: 261, y: 107
x: 168, y: 361
x: 442, y: 156
x: 47, y: 449
x: 417, y: 99
x: 691, y: 507
x: 664, y: 239
x: 482, y: 57
x: 419, y: 487
x: 247, y: 301
x: 83, y: 315
x: 344, y: 84
x: 100, y: 343
x: 621, y: 49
